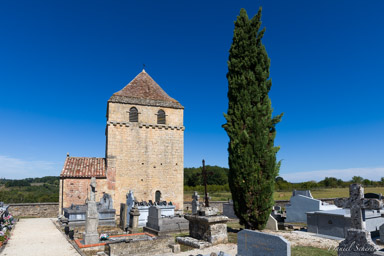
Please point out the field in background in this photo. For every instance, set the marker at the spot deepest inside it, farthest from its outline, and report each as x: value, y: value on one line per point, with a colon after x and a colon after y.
x: 286, y: 195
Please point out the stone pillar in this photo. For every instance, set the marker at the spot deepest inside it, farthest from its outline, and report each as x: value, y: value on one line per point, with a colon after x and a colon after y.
x: 92, y: 218
x: 134, y: 219
x: 123, y: 217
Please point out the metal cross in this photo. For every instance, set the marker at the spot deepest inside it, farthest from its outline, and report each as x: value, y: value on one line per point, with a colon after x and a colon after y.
x: 205, y: 174
x: 357, y: 204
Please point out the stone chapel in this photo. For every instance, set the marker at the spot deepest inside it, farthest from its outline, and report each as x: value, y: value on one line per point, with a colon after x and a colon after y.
x: 144, y: 150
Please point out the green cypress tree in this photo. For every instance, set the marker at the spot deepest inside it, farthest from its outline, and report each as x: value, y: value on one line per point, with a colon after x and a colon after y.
x: 250, y: 126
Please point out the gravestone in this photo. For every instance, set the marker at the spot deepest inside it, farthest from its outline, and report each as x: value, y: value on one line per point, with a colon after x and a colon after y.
x: 358, y: 240
x: 272, y: 224
x: 134, y: 218
x: 167, y: 209
x: 381, y: 230
x: 302, y: 202
x: 106, y: 201
x: 195, y: 202
x: 252, y: 243
x: 76, y: 214
x: 160, y: 225
x: 92, y: 219
x: 130, y: 204
x: 123, y: 217
x: 337, y: 222
x: 228, y: 210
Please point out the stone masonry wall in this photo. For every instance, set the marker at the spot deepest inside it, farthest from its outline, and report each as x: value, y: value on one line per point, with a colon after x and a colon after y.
x: 39, y: 210
x: 146, y: 157
x: 76, y: 191
x: 50, y: 210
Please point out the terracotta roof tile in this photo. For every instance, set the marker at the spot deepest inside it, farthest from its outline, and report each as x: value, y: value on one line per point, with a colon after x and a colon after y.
x: 144, y: 90
x: 83, y: 167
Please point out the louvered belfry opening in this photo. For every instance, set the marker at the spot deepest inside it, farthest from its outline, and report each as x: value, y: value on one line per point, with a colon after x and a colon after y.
x: 133, y: 115
x: 161, y: 117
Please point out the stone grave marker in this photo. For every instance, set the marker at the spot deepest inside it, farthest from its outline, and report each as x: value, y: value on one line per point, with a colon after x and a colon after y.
x: 272, y: 223
x: 75, y: 215
x: 252, y: 243
x: 92, y: 218
x: 195, y: 202
x: 134, y: 219
x: 358, y: 240
x: 106, y: 201
x: 206, y: 225
x: 160, y: 225
x: 302, y: 202
x: 130, y: 204
x: 381, y: 232
x: 123, y: 217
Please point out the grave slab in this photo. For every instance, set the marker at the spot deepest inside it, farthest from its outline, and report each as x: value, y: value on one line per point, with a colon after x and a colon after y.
x: 161, y: 225
x: 252, y: 243
x: 302, y: 202
x: 272, y: 224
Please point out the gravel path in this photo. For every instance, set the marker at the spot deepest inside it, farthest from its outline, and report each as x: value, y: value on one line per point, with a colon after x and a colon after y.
x: 229, y: 249
x: 37, y: 237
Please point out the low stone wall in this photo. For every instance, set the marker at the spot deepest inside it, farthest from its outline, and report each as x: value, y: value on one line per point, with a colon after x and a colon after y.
x: 160, y: 245
x: 37, y: 210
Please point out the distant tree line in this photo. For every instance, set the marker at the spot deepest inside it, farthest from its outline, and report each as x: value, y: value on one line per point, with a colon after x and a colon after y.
x: 53, y: 180
x: 46, y: 189
x: 216, y: 176
x: 328, y: 182
x: 30, y: 190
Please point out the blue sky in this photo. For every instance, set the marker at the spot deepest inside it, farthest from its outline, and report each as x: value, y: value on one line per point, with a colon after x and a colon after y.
x: 60, y: 61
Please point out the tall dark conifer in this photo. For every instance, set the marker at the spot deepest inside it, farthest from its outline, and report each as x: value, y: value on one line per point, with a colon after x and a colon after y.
x: 250, y: 126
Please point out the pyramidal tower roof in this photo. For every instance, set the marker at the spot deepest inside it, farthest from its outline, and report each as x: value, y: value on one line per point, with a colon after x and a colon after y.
x: 143, y: 90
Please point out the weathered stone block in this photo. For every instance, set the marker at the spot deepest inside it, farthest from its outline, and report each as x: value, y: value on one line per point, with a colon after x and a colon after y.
x: 209, y: 228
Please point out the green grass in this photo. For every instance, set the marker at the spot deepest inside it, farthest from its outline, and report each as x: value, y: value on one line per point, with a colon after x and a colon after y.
x: 215, y: 196
x: 311, y: 251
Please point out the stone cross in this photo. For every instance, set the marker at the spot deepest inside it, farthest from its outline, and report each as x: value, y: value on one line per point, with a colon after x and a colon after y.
x: 93, y: 188
x: 357, y: 204
x: 92, y: 218
x: 205, y: 174
x: 195, y: 202
x: 358, y: 241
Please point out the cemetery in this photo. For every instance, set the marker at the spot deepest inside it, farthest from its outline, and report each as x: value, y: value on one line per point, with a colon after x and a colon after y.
x: 354, y: 222
x: 131, y: 193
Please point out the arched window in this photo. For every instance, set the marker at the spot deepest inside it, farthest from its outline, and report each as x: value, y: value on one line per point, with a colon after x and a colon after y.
x: 133, y: 115
x: 161, y: 117
x: 157, y: 196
